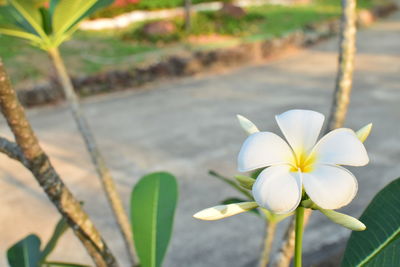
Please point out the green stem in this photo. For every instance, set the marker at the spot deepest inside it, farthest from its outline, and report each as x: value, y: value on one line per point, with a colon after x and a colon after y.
x: 299, y: 236
x: 269, y: 238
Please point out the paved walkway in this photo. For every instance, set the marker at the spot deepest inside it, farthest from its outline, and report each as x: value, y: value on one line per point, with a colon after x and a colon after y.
x: 188, y: 127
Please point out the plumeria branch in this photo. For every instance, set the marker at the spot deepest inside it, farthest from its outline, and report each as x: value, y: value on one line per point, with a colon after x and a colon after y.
x: 344, y: 79
x: 269, y: 237
x: 101, y: 167
x: 13, y: 151
x: 341, y: 100
x: 28, y: 151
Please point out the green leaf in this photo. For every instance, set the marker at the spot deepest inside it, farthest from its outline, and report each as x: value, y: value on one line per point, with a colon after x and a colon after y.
x: 25, y: 253
x: 233, y: 200
x: 67, y: 14
x: 98, y: 5
x: 46, y: 20
x: 28, y: 10
x: 256, y: 173
x: 14, y: 31
x: 13, y: 18
x: 62, y: 264
x: 379, y: 244
x: 231, y: 183
x: 153, y: 203
x: 52, y: 7
x: 60, y: 229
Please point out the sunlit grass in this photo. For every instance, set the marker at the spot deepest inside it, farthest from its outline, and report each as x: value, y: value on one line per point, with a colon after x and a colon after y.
x: 92, y: 52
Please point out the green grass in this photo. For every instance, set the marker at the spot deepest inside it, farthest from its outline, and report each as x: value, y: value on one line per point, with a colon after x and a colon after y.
x: 92, y: 52
x: 86, y: 53
x: 113, y: 11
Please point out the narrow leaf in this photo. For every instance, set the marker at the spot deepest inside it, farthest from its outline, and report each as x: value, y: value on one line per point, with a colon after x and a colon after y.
x: 31, y: 14
x: 67, y: 12
x: 46, y: 20
x: 13, y: 31
x: 52, y: 7
x: 11, y: 16
x: 231, y: 183
x: 153, y: 203
x: 379, y: 244
x: 25, y: 253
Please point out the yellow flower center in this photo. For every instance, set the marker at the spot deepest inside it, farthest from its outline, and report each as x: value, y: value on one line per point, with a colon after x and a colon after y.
x: 303, y: 162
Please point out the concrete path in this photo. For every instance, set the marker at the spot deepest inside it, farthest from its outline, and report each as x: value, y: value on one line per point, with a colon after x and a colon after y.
x: 188, y: 127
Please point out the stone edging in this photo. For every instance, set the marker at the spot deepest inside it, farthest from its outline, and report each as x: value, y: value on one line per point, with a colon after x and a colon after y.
x: 197, y: 62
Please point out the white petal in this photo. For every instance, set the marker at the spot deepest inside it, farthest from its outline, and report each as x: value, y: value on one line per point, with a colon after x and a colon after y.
x: 223, y: 211
x: 342, y: 147
x: 277, y: 189
x: 263, y: 149
x: 330, y: 187
x: 301, y: 128
x: 247, y: 125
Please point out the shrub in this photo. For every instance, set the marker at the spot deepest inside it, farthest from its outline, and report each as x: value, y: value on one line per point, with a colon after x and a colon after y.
x: 124, y: 6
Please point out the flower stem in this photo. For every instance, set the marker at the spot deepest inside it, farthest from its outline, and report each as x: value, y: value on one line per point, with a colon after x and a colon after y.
x: 299, y: 236
x: 269, y: 238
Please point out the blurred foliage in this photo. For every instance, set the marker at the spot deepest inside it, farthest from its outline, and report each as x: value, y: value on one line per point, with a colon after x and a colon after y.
x: 92, y: 52
x: 27, y: 252
x: 113, y: 11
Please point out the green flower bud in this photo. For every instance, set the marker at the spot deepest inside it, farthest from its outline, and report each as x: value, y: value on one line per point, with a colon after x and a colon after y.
x: 245, y: 181
x: 344, y: 220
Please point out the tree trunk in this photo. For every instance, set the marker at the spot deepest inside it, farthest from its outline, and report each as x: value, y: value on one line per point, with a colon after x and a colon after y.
x: 188, y: 15
x: 39, y: 164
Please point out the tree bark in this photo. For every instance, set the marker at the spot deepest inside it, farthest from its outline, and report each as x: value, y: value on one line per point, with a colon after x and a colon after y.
x: 341, y: 100
x: 28, y: 151
x: 268, y: 240
x: 344, y: 79
x: 97, y: 159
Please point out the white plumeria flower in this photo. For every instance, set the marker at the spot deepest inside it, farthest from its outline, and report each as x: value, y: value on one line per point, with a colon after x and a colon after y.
x: 302, y: 163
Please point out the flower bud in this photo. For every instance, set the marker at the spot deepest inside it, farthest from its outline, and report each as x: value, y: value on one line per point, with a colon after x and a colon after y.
x: 224, y: 211
x: 364, y: 132
x: 245, y: 181
x: 247, y: 125
x: 344, y: 220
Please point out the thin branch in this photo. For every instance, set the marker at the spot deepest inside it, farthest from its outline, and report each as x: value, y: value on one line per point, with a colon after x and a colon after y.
x: 268, y: 241
x: 40, y: 166
x: 97, y: 159
x: 13, y: 151
x: 341, y: 100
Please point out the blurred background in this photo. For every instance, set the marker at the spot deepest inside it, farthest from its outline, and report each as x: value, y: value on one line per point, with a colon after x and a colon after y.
x: 161, y: 82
